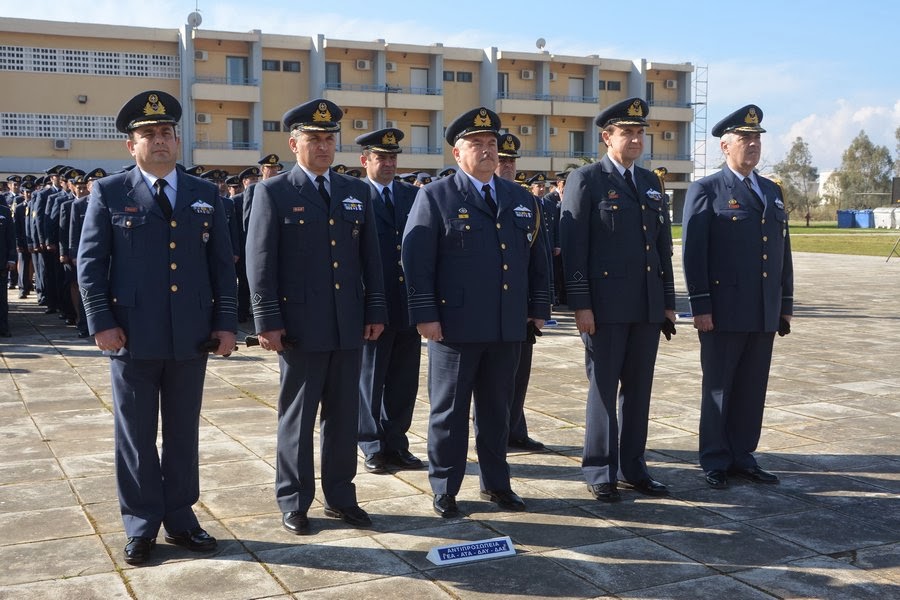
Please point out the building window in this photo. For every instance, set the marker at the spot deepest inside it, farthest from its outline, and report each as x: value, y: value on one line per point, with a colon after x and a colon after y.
x: 271, y: 65
x: 333, y: 75
x: 236, y: 70
x: 88, y: 62
x: 464, y: 76
x: 602, y: 84
x: 271, y: 125
x: 449, y: 75
x: 41, y: 125
x: 613, y: 86
x: 239, y: 133
x: 291, y: 66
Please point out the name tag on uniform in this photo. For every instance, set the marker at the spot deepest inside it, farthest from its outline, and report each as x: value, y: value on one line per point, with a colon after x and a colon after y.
x: 132, y: 209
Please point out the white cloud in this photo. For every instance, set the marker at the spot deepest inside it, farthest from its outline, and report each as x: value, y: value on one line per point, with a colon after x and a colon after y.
x: 829, y: 134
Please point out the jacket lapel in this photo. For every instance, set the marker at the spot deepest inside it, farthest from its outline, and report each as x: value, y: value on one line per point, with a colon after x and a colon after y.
x: 140, y: 194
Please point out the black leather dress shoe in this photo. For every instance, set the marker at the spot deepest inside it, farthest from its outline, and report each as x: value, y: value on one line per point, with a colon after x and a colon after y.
x: 196, y: 540
x: 404, y: 459
x: 505, y: 499
x: 649, y: 486
x: 605, y: 492
x: 375, y: 463
x: 296, y: 522
x: 445, y: 506
x: 351, y: 515
x: 717, y: 480
x: 83, y: 334
x: 756, y: 474
x: 137, y: 550
x: 528, y: 443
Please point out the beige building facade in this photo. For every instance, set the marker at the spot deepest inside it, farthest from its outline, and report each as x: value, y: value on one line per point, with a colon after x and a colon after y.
x: 63, y: 84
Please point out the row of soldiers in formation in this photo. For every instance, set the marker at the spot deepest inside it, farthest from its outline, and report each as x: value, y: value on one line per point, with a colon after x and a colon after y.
x: 41, y: 228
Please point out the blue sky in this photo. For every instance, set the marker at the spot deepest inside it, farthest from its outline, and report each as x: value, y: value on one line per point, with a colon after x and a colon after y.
x: 821, y: 71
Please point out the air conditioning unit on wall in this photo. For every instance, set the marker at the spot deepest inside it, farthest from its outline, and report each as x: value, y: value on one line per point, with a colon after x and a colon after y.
x: 390, y: 67
x: 204, y: 118
x: 552, y: 76
x: 553, y: 131
x: 671, y: 84
x: 61, y: 144
x: 525, y: 129
x: 363, y: 65
x: 360, y: 124
x: 201, y: 55
x: 391, y: 124
x: 527, y: 74
x: 668, y: 135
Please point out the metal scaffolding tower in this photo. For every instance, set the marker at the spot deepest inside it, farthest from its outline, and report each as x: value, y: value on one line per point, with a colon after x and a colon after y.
x: 701, y: 83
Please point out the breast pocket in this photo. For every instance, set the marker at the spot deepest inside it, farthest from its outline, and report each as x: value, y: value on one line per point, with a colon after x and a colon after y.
x: 735, y: 215
x: 464, y: 235
x: 130, y: 232
x: 295, y: 234
x: 608, y: 211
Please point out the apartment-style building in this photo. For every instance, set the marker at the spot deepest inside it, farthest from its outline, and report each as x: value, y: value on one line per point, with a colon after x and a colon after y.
x: 63, y: 84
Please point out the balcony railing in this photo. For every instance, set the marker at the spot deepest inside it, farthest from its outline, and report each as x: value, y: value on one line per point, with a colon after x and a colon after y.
x: 387, y: 89
x: 405, y: 149
x: 225, y: 146
x: 226, y: 80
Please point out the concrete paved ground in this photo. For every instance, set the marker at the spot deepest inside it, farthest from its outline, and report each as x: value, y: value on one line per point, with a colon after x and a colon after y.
x: 831, y: 529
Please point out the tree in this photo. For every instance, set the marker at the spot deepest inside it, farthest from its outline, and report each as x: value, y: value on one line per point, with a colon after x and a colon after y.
x: 897, y: 162
x: 798, y: 178
x: 865, y: 174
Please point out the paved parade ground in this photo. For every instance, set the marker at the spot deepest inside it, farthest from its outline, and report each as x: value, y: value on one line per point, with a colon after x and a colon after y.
x: 830, y: 529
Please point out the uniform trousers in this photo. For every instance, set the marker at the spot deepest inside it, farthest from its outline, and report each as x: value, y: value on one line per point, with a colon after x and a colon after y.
x: 387, y: 390
x: 157, y: 487
x: 735, y: 376
x: 457, y: 374
x: 308, y: 379
x: 518, y: 427
x: 620, y: 359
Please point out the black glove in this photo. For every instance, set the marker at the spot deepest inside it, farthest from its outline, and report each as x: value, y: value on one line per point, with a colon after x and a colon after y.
x: 286, y: 342
x: 532, y: 333
x: 668, y: 328
x: 784, y: 327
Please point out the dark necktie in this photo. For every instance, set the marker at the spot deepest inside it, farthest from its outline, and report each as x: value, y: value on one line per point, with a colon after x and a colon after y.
x: 489, y: 199
x: 322, y: 191
x: 630, y: 182
x: 749, y: 185
x: 388, y: 203
x: 161, y: 199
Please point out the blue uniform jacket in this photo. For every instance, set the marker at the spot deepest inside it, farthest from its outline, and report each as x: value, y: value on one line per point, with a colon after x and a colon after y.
x: 7, y: 238
x: 737, y: 258
x: 617, y: 249
x: 167, y: 282
x: 312, y: 271
x: 76, y: 222
x: 481, y: 276
x: 390, y: 238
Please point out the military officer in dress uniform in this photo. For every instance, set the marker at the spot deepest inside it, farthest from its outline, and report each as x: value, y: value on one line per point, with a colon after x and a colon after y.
x: 158, y: 284
x: 617, y: 254
x: 553, y: 201
x: 7, y: 262
x: 476, y: 273
x: 20, y: 218
x: 76, y: 222
x: 507, y: 153
x: 390, y: 364
x: 318, y: 294
x: 740, y: 279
